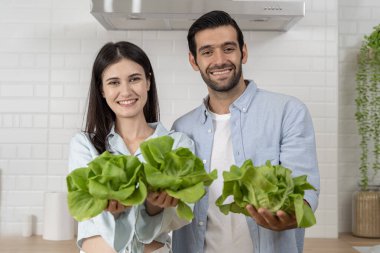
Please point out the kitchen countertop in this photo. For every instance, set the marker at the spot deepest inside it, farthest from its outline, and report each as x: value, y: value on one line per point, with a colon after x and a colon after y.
x: 35, y: 244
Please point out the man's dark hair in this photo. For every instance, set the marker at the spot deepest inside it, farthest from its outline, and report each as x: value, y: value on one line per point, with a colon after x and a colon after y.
x: 209, y: 20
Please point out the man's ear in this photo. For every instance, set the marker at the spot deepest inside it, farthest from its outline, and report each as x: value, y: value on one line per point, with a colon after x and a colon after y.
x: 193, y: 62
x: 244, y: 57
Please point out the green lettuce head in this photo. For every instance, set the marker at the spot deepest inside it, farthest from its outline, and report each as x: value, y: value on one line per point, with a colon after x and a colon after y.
x: 267, y: 186
x: 178, y: 172
x: 107, y: 177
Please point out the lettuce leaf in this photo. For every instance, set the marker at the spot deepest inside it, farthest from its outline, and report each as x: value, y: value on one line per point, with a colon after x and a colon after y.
x: 107, y: 177
x: 267, y: 186
x: 178, y: 172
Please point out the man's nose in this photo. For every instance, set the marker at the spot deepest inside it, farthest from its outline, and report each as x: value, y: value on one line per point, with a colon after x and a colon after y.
x: 219, y: 57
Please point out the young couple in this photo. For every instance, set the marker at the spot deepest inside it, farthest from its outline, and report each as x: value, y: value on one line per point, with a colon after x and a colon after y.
x: 235, y: 122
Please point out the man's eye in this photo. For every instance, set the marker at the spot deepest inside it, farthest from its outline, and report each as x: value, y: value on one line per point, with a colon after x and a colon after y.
x: 206, y: 53
x: 229, y: 49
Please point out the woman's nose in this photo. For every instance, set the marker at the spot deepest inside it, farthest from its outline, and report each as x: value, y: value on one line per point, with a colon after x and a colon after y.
x: 125, y: 87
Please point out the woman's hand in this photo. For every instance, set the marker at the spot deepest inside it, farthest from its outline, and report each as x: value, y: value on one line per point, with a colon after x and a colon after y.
x: 157, y: 201
x: 115, y: 207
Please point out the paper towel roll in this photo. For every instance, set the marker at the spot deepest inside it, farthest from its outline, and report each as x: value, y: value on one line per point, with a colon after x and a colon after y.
x: 58, y: 224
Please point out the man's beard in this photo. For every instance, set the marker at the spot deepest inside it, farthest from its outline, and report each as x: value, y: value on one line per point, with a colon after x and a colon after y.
x: 232, y: 82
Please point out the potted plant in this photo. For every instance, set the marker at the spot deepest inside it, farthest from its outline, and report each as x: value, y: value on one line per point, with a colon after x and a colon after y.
x: 366, y: 202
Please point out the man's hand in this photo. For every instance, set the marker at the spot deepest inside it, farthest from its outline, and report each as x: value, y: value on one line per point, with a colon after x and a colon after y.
x: 278, y: 222
x: 157, y: 201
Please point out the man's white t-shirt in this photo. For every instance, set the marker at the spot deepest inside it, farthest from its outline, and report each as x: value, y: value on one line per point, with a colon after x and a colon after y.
x: 225, y: 233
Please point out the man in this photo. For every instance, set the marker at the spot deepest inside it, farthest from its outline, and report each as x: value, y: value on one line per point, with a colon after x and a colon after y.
x: 238, y: 121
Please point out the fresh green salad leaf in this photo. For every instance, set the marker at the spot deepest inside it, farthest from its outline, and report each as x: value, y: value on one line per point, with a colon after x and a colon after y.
x: 107, y: 177
x: 267, y: 186
x: 178, y: 172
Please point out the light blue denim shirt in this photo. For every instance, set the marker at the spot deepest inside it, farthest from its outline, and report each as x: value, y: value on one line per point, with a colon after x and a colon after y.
x: 134, y: 227
x: 264, y: 126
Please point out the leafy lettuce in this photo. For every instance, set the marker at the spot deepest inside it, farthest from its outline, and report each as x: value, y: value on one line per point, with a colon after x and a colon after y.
x: 116, y: 177
x: 178, y: 172
x: 267, y: 186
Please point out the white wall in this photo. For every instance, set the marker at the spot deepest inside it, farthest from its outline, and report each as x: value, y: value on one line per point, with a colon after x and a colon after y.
x: 46, y: 51
x: 356, y: 19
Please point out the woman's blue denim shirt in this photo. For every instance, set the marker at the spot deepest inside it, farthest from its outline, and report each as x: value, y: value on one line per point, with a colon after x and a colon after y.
x: 134, y: 227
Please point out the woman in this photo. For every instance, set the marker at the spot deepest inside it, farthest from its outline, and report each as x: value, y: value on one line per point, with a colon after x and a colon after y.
x: 123, y: 112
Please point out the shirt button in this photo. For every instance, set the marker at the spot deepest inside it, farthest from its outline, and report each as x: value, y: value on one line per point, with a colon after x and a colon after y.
x: 244, y: 109
x: 209, y: 130
x: 204, y: 161
x: 200, y: 223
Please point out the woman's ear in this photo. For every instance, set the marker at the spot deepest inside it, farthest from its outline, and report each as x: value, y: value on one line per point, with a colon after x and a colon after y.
x: 148, y: 82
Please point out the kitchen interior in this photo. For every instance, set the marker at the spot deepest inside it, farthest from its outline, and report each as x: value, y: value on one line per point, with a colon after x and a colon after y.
x: 308, y: 49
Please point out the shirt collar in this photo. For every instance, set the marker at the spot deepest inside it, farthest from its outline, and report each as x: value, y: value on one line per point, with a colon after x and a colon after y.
x: 241, y: 103
x: 159, y: 130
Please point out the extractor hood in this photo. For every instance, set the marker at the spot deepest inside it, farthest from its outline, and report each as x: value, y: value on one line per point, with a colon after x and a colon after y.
x: 180, y: 14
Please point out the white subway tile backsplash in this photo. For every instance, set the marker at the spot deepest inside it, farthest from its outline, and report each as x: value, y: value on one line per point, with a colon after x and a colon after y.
x: 41, y: 90
x: 40, y: 121
x: 23, y: 75
x: 58, y: 168
x: 24, y: 151
x: 65, y: 75
x: 23, y: 183
x: 54, y: 152
x: 56, y: 121
x: 56, y: 184
x: 19, y: 135
x: 16, y: 90
x: 8, y: 60
x: 56, y: 91
x: 46, y: 55
x: 63, y: 106
x: 23, y: 105
x: 39, y: 151
x: 74, y: 121
x: 355, y: 12
x: 27, y: 167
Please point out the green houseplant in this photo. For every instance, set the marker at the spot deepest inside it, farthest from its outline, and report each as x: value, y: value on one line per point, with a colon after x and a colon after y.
x: 366, y: 202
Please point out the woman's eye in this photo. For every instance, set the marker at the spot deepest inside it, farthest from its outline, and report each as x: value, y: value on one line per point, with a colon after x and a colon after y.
x: 113, y: 83
x: 134, y: 79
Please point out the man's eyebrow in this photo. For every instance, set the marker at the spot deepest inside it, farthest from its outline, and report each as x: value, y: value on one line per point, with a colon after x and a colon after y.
x: 227, y: 43
x: 204, y: 47
x: 230, y: 43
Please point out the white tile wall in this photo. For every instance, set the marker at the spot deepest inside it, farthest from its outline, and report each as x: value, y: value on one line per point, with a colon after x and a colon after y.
x: 46, y: 51
x: 356, y: 19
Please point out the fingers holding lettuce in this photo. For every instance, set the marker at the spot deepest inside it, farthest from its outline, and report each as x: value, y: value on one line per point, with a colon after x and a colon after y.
x: 269, y: 194
x: 157, y: 201
x: 278, y: 222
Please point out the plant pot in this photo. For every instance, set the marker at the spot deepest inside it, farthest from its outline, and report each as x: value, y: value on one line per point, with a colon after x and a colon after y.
x: 366, y: 214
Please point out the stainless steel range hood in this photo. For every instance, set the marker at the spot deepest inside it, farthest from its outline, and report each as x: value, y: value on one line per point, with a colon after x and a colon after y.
x: 180, y: 14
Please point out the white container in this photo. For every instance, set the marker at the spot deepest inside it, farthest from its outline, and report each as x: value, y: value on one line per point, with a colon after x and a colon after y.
x: 58, y: 224
x: 27, y: 225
